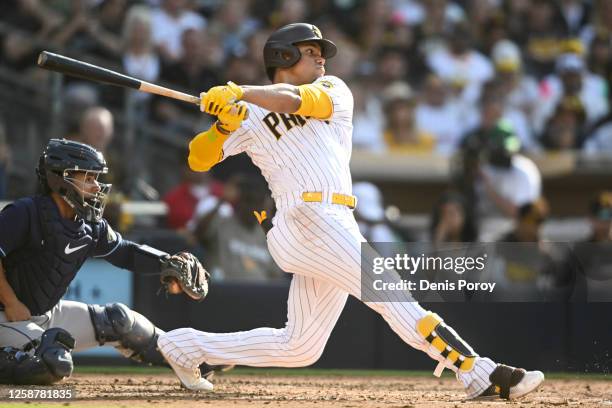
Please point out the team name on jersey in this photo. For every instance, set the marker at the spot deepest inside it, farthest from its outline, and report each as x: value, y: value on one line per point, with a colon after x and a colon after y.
x: 273, y: 121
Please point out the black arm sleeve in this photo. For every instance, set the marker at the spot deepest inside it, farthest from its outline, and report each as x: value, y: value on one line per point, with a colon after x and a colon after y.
x: 136, y: 258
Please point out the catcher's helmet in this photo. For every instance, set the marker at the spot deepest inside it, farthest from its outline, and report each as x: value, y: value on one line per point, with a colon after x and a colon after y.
x: 56, y: 167
x: 280, y: 50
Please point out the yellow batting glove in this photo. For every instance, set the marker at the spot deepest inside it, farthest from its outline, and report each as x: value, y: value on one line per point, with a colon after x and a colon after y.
x: 218, y: 97
x: 231, y: 116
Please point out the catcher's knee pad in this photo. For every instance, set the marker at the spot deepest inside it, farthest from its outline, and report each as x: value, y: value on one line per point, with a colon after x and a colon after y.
x: 49, y: 363
x: 116, y: 322
x: 455, y: 352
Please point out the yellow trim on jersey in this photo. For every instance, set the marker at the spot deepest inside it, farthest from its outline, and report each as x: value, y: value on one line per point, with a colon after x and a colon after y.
x: 206, y: 149
x: 316, y: 102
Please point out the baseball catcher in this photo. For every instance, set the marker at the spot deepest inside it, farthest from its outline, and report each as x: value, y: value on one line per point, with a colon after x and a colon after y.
x: 44, y: 241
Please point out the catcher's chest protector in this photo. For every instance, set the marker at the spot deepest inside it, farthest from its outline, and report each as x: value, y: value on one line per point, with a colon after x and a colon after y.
x: 41, y: 271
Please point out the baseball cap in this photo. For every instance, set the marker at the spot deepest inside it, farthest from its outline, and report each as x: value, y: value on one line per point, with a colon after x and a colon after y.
x: 397, y: 91
x: 569, y: 63
x: 506, y: 56
x: 369, y: 202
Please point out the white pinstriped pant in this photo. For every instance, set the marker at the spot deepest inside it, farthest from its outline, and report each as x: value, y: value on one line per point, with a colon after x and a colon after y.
x: 321, y: 245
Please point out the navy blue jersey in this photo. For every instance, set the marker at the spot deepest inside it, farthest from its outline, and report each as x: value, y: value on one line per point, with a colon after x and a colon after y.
x: 41, y: 252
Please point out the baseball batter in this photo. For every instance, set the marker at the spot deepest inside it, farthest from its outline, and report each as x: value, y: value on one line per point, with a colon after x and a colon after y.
x: 298, y: 132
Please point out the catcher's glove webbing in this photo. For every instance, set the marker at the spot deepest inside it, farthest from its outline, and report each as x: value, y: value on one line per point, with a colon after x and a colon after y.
x: 185, y: 269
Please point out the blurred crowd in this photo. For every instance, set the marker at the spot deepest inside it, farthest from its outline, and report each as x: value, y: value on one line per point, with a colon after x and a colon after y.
x: 486, y: 82
x: 424, y: 73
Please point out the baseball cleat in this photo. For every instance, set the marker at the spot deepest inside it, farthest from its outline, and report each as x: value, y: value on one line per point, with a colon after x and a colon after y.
x: 208, y: 371
x: 191, y: 378
x: 510, y: 383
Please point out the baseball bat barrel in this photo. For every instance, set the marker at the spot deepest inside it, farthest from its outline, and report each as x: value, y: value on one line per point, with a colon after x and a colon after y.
x: 83, y: 70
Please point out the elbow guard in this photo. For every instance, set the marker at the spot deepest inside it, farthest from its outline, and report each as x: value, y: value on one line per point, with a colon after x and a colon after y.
x: 206, y: 149
x: 316, y: 102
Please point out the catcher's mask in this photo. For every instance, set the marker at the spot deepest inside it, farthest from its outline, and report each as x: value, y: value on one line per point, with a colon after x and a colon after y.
x: 280, y: 50
x: 72, y: 170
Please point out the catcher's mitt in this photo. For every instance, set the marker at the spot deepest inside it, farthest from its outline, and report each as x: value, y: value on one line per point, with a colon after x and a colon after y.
x: 183, y: 272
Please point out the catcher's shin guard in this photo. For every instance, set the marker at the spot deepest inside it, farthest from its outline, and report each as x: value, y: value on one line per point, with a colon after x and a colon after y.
x: 49, y: 363
x: 116, y: 322
x: 455, y: 353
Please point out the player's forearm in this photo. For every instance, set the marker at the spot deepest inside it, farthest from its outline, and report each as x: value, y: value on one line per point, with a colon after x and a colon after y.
x: 206, y: 149
x: 7, y: 294
x: 280, y: 98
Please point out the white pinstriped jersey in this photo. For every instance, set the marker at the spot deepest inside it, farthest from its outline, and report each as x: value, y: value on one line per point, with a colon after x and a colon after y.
x: 296, y: 153
x: 319, y: 243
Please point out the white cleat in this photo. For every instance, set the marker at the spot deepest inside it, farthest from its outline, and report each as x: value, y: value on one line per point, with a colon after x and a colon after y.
x: 190, y: 378
x: 512, y: 383
x: 530, y: 382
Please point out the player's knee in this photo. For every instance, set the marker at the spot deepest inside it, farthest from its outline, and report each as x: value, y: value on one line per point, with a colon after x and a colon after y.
x: 304, y: 354
x: 51, y: 361
x: 116, y: 322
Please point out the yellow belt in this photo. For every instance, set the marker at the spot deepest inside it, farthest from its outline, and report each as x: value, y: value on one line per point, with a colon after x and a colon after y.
x: 342, y: 199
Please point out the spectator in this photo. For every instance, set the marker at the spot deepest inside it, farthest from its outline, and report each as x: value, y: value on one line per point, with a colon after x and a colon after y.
x: 438, y: 115
x: 452, y: 220
x: 288, y: 12
x: 370, y: 214
x: 237, y: 245
x: 94, y: 30
x: 594, y: 255
x: 193, y: 71
x: 521, y: 89
x: 105, y: 27
x: 600, y: 217
x: 433, y: 21
x: 527, y: 268
x: 575, y: 14
x: 461, y: 66
x: 401, y: 132
x: 242, y: 70
x: 171, y: 20
x: 139, y: 57
x: 183, y: 199
x: 600, y: 140
x: 494, y: 107
x: 541, y: 37
x: 367, y: 119
x: 529, y: 219
x: 600, y: 56
x: 573, y: 79
x: 96, y: 128
x: 234, y: 25
x: 600, y: 21
x: 496, y: 176
x: 484, y: 17
x: 565, y: 128
x: 391, y: 66
x: 32, y: 16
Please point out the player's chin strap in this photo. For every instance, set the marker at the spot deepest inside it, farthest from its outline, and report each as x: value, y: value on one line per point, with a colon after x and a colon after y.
x: 450, y: 350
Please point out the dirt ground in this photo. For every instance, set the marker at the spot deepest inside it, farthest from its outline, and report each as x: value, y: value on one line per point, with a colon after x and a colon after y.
x: 136, y: 390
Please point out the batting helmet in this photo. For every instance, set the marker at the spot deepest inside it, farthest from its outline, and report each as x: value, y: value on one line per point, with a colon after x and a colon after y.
x: 56, y: 167
x: 280, y: 50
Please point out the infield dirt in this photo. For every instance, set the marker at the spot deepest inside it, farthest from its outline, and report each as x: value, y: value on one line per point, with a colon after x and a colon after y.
x: 236, y: 390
